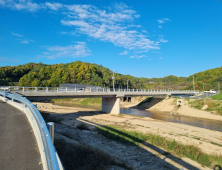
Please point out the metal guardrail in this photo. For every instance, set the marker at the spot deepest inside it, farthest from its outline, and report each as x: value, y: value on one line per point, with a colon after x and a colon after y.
x: 62, y: 89
x: 51, y: 159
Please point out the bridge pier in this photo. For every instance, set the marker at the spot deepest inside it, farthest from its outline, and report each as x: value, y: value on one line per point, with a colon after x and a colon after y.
x: 111, y: 105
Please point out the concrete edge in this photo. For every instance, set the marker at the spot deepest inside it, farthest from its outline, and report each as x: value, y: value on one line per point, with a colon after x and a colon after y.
x: 35, y: 128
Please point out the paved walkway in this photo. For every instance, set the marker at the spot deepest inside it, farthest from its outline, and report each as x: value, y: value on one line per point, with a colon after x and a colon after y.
x: 18, y: 147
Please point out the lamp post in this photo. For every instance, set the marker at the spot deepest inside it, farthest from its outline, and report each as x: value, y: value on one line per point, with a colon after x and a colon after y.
x: 127, y: 85
x: 193, y: 84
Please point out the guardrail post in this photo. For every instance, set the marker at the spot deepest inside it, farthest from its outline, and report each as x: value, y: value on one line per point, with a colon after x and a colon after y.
x: 66, y: 89
x: 35, y: 89
x: 51, y: 126
x: 57, y: 89
x: 47, y: 89
x: 90, y: 90
x: 12, y: 100
x: 23, y: 89
x: 103, y: 89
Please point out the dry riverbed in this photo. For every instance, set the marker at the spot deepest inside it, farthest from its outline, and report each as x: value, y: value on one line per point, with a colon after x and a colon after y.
x: 145, y: 156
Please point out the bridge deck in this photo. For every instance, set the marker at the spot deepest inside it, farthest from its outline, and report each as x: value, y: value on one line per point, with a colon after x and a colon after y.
x: 18, y: 146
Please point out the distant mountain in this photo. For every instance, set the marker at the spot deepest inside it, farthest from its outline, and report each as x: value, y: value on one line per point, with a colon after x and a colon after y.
x: 42, y: 75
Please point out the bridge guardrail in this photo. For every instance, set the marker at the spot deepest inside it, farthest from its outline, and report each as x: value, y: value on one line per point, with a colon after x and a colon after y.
x: 63, y: 89
x: 49, y: 150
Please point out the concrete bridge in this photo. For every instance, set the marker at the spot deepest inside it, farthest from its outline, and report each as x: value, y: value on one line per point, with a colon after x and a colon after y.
x: 110, y: 97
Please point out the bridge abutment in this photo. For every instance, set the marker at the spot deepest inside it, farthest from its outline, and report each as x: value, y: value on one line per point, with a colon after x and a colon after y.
x: 111, y: 105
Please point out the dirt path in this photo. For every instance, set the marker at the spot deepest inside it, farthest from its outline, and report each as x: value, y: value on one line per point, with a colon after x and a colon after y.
x: 208, y: 141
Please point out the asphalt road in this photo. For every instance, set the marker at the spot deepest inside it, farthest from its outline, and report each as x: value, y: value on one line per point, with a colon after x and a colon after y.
x: 18, y: 147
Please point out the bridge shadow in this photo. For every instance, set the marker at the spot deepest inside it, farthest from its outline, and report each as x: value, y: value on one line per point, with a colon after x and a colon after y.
x: 147, y: 105
x: 160, y: 156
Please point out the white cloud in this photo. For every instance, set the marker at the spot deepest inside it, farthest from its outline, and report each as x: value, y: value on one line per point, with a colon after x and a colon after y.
x: 53, y: 6
x: 2, y: 2
x: 115, y: 26
x: 164, y: 41
x: 18, y: 35
x: 160, y: 58
x: 162, y: 20
x: 141, y: 56
x: 124, y: 53
x: 74, y: 51
x: 24, y: 42
x: 160, y: 26
x: 22, y: 5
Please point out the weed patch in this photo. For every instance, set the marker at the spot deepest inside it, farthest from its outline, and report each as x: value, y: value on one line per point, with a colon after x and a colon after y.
x: 127, y: 137
x: 82, y: 126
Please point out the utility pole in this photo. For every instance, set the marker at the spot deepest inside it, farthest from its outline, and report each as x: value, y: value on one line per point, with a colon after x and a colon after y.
x: 203, y: 85
x: 127, y: 85
x: 193, y: 84
x: 113, y: 79
x: 218, y: 86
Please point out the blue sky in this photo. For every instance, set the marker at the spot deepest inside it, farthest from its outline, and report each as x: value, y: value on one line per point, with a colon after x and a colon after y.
x: 141, y: 38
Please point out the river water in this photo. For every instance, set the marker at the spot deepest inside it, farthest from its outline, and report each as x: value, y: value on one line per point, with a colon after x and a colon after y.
x: 164, y: 116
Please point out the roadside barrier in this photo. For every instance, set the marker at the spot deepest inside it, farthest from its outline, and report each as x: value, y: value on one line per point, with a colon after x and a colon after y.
x: 49, y: 156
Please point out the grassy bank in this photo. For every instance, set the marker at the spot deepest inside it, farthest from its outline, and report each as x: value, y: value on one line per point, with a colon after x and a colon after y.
x: 80, y: 101
x: 207, y: 105
x: 130, y: 137
x: 217, y: 96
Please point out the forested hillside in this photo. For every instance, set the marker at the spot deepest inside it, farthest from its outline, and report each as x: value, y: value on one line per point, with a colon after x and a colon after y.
x: 78, y: 72
x: 10, y: 74
x: 209, y: 77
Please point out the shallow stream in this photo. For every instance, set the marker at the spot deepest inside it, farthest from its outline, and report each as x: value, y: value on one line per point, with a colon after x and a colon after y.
x: 192, y: 121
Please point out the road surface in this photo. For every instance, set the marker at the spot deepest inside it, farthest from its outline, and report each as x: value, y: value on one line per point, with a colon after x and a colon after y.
x: 18, y: 146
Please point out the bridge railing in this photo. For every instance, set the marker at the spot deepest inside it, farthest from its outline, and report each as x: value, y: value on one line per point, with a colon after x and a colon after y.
x: 49, y: 150
x: 64, y: 89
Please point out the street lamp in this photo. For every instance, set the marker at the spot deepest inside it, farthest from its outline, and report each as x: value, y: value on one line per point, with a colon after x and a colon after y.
x: 127, y: 84
x: 193, y: 84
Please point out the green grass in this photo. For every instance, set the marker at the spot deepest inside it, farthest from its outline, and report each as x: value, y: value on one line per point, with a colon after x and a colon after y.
x: 216, y: 144
x: 217, y: 96
x: 91, y: 101
x: 212, y: 105
x: 120, y: 134
x: 197, y: 104
x: 196, y: 138
x: 61, y: 100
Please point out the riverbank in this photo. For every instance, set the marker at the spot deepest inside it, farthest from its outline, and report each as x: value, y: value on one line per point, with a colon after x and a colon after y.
x: 208, y: 141
x: 207, y: 109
